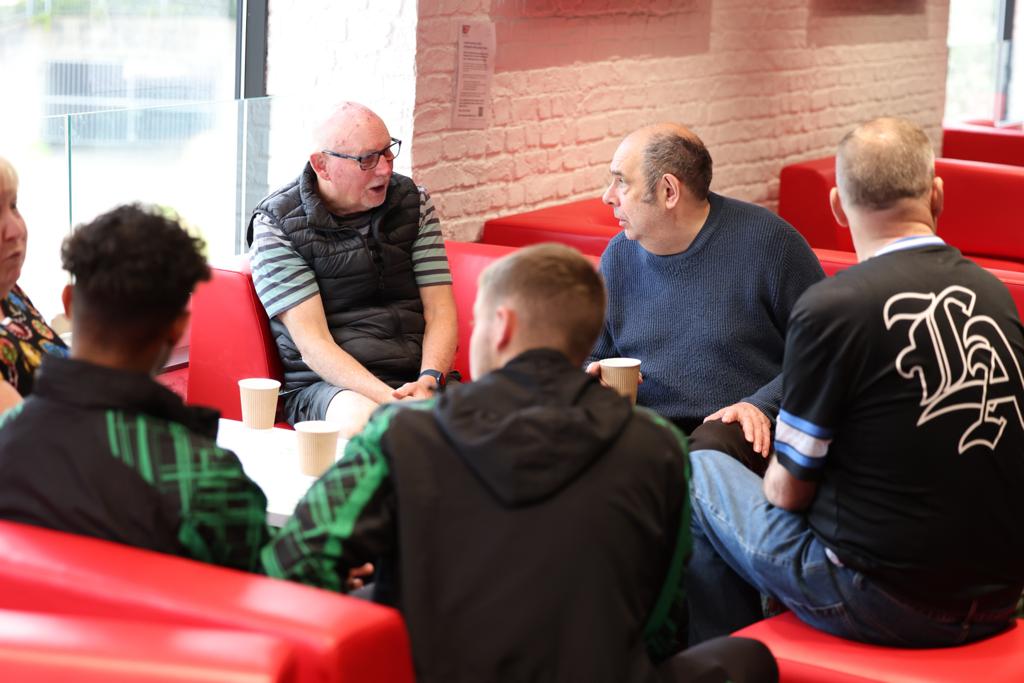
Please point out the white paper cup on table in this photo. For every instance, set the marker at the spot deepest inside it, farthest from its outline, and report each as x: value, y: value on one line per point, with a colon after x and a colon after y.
x: 259, y: 401
x: 622, y: 375
x: 317, y: 444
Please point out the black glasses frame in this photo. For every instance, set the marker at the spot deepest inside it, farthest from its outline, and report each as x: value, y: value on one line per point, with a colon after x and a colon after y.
x: 370, y: 160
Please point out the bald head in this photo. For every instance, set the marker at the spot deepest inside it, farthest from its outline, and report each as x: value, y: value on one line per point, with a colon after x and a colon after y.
x: 669, y: 148
x: 352, y: 130
x: 882, y: 162
x: 347, y: 123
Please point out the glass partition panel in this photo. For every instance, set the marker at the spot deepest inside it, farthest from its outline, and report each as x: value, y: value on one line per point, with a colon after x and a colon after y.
x: 180, y: 158
x: 210, y: 163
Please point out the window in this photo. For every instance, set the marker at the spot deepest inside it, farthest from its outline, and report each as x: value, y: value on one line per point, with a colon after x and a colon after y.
x: 123, y: 100
x: 979, y: 83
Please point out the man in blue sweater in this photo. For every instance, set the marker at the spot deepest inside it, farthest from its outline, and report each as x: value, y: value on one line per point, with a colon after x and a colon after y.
x: 700, y: 287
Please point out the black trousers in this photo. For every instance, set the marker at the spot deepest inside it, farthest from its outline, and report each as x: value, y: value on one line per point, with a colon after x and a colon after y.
x: 728, y: 438
x: 722, y: 660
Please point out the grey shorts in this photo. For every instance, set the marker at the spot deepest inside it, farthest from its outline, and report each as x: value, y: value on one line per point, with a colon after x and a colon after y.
x: 309, y: 403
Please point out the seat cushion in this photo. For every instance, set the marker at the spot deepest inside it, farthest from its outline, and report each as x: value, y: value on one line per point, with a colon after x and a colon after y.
x: 46, y: 648
x: 806, y: 655
x: 335, y: 638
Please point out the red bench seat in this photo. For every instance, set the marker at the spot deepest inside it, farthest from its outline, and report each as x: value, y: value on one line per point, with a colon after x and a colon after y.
x: 806, y: 655
x: 334, y: 637
x: 46, y: 648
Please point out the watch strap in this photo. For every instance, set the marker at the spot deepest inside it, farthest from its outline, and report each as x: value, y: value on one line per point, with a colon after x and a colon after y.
x: 437, y: 375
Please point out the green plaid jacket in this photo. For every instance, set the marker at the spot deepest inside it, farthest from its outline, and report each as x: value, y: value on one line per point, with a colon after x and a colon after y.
x: 115, y: 455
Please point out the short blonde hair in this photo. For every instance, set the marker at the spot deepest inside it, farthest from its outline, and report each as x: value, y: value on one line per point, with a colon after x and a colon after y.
x: 556, y: 291
x: 8, y: 176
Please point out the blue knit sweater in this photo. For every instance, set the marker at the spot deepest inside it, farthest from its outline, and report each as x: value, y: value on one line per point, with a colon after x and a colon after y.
x: 709, y: 323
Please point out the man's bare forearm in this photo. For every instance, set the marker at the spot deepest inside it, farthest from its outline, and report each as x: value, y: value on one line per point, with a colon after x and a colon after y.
x: 307, y: 326
x: 441, y: 334
x: 338, y: 367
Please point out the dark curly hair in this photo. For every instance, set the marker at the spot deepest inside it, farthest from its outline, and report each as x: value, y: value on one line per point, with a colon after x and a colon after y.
x: 134, y: 269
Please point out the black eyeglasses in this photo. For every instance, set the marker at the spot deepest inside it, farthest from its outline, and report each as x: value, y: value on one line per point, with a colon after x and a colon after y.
x: 368, y: 161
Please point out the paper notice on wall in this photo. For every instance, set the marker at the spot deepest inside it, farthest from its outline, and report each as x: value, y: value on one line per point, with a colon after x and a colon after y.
x: 475, y: 71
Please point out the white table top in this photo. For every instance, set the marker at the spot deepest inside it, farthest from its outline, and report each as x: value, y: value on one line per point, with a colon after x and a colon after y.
x: 270, y: 459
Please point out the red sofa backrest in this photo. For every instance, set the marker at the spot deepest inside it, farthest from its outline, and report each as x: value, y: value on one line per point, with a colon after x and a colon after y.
x: 587, y: 225
x: 981, y: 216
x: 336, y: 638
x: 803, y: 202
x: 467, y: 260
x: 983, y: 142
x: 230, y: 338
x: 833, y: 261
x: 46, y: 648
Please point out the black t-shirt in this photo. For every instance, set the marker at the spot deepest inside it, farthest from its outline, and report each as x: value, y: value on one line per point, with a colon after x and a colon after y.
x: 903, y: 396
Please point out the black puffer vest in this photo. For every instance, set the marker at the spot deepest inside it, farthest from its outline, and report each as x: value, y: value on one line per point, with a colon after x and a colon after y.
x: 371, y: 300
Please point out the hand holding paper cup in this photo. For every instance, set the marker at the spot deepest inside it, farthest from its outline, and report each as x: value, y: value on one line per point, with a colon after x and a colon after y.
x: 622, y: 375
x: 318, y: 443
x: 259, y: 401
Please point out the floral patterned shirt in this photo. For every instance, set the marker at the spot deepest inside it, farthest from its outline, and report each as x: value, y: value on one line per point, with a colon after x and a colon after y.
x: 24, y: 338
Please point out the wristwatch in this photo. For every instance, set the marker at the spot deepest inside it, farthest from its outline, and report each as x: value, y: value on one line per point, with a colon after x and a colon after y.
x: 438, y: 377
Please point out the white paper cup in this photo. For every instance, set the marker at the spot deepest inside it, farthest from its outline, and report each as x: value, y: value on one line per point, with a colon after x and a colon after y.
x: 259, y: 401
x: 622, y: 375
x: 317, y: 444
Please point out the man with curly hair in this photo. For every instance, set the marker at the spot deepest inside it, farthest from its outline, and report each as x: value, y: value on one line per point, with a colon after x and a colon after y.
x: 100, y: 448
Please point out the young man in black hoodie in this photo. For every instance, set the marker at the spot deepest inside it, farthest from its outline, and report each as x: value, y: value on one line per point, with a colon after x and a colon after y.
x: 531, y: 525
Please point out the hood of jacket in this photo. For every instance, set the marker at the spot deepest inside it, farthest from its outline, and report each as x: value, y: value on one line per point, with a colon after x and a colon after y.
x: 533, y: 426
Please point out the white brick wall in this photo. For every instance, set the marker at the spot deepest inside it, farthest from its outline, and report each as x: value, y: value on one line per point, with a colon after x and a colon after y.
x: 320, y: 52
x: 764, y: 82
x: 774, y: 81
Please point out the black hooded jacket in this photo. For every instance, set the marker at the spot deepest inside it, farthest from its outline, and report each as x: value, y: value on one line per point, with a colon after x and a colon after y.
x: 531, y: 526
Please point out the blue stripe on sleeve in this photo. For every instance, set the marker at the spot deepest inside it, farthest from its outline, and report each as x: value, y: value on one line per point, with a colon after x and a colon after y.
x: 798, y: 457
x: 805, y: 426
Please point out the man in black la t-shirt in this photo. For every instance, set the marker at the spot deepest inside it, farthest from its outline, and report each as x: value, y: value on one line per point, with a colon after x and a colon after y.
x: 891, y: 512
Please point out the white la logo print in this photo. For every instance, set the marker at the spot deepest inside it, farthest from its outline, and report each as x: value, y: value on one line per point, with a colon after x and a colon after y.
x: 963, y: 362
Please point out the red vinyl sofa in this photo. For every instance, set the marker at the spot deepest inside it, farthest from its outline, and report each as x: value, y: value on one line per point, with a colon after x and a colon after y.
x: 806, y: 655
x: 983, y: 141
x: 587, y: 224
x: 307, y: 634
x: 231, y: 336
x: 982, y: 215
x: 211, y: 597
x: 48, y: 648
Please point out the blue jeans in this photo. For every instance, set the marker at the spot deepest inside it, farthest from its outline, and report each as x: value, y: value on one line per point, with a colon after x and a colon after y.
x: 744, y: 546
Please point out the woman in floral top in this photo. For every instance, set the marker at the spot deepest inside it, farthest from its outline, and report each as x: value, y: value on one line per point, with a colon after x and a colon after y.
x: 24, y: 335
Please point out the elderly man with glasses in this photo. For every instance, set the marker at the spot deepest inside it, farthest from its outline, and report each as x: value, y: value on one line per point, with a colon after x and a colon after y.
x: 349, y: 263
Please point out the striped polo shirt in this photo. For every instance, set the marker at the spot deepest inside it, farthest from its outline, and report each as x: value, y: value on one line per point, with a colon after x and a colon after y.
x: 284, y: 280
